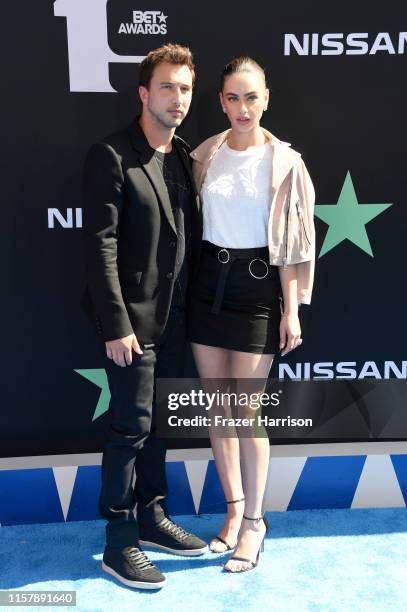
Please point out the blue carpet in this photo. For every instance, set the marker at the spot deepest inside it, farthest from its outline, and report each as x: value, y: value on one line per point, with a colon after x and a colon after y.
x: 314, y: 560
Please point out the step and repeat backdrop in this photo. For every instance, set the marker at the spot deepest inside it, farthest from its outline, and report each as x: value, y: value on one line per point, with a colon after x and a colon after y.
x: 338, y: 95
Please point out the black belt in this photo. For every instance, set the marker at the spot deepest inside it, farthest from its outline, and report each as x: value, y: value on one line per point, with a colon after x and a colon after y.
x: 227, y: 257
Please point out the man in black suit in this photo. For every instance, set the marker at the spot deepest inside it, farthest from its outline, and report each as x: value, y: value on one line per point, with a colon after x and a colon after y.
x: 142, y: 227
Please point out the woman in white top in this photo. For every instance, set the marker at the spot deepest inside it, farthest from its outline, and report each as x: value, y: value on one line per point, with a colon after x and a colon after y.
x: 242, y: 309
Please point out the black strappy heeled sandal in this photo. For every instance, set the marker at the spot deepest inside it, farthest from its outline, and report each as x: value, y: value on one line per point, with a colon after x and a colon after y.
x: 228, y: 546
x: 261, y: 548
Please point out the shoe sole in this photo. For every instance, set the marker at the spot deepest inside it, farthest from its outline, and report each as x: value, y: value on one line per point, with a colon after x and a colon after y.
x: 135, y: 584
x: 195, y: 552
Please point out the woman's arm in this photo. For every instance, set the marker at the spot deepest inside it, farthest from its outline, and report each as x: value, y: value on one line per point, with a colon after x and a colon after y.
x: 290, y: 330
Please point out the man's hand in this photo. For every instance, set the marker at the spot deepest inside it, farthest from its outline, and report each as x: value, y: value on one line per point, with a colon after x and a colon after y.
x: 290, y: 333
x: 120, y: 350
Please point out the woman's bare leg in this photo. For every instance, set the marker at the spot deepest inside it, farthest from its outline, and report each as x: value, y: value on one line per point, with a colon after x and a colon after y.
x: 254, y: 456
x: 213, y: 363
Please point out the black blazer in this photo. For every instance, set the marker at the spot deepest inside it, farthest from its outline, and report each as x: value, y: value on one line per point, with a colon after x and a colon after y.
x: 130, y: 236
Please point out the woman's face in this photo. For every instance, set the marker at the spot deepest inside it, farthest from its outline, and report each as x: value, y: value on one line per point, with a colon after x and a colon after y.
x: 244, y: 98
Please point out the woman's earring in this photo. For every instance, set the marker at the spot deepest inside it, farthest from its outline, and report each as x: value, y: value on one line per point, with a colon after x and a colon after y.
x: 224, y: 109
x: 265, y: 108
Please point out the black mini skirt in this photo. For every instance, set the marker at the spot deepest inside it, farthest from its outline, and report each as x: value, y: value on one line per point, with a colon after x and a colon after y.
x: 235, y: 300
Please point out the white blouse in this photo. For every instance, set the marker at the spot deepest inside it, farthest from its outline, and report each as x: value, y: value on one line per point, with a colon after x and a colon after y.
x: 236, y: 195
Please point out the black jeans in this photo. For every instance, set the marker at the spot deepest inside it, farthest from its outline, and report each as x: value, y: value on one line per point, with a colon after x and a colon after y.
x: 133, y: 448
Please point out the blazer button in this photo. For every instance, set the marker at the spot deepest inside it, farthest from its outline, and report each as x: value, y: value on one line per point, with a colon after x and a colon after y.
x: 169, y: 275
x: 172, y: 244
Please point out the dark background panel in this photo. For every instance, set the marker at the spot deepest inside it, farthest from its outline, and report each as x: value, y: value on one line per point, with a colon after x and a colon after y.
x: 343, y: 113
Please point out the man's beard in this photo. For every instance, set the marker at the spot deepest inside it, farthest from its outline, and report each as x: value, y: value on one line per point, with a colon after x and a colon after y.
x: 167, y: 121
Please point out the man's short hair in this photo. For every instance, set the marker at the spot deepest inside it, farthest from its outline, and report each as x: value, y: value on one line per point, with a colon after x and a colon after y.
x: 173, y: 54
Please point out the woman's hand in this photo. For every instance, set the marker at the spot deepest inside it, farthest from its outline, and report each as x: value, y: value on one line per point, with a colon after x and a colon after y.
x: 290, y: 332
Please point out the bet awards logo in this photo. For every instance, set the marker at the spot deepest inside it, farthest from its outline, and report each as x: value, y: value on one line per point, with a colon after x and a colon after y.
x: 89, y: 53
x: 145, y: 22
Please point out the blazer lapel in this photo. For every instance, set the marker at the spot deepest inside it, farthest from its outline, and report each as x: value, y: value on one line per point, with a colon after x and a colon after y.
x: 154, y: 173
x: 151, y: 168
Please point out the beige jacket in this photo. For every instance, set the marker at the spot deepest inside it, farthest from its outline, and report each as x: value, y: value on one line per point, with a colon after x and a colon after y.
x: 291, y: 230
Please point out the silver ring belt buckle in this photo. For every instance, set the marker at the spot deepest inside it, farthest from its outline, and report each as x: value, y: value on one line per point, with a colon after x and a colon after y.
x: 250, y: 269
x: 223, y: 261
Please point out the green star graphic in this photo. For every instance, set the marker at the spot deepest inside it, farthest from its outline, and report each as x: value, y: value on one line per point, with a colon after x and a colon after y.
x: 347, y: 219
x: 99, y: 378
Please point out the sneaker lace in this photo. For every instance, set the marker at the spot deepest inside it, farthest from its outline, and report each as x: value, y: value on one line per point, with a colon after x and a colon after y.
x: 174, y: 529
x: 139, y: 559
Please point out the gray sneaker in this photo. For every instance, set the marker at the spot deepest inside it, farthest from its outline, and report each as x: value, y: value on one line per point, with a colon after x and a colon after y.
x: 167, y: 535
x: 132, y: 567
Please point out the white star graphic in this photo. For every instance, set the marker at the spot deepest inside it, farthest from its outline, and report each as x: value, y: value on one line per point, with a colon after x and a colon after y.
x: 162, y: 18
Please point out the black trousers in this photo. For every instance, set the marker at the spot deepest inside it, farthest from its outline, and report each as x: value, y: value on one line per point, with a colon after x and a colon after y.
x: 133, y: 450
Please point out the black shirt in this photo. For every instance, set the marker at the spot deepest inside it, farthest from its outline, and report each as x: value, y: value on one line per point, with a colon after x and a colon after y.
x: 180, y: 194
